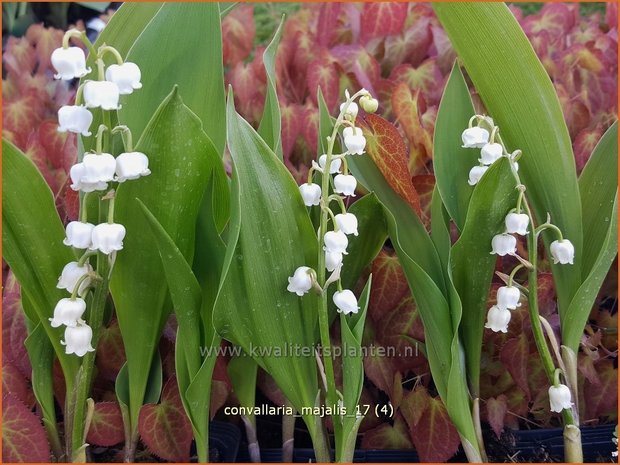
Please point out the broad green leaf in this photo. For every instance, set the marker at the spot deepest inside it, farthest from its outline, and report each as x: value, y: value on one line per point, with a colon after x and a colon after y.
x: 598, y: 184
x: 269, y: 128
x: 154, y: 384
x: 472, y: 264
x: 181, y: 46
x: 440, y: 228
x: 180, y: 163
x: 451, y: 161
x: 518, y: 94
x: 242, y: 371
x: 271, y: 235
x: 32, y: 236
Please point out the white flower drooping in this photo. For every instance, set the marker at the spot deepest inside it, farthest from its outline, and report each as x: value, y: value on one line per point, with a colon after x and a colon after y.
x: 126, y: 76
x: 74, y: 118
x: 334, y: 165
x: 498, y: 319
x: 562, y: 251
x: 310, y: 193
x: 475, y: 138
x: 336, y: 241
x: 98, y: 167
x: 301, y: 281
x: 101, y: 94
x: 332, y: 260
x: 354, y: 140
x: 508, y: 297
x: 560, y: 398
x: 70, y: 63
x: 476, y: 173
x: 517, y: 223
x: 78, y: 234
x: 131, y: 165
x: 345, y: 184
x: 78, y: 339
x: 351, y: 112
x: 346, y: 301
x: 71, y: 274
x: 503, y: 244
x: 67, y: 312
x: 78, y: 174
x: 347, y: 223
x: 108, y: 237
x: 490, y: 153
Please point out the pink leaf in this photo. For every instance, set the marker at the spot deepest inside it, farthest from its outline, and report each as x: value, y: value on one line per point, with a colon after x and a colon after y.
x: 23, y: 436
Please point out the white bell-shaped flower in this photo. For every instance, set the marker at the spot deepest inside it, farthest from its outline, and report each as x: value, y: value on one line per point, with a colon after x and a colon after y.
x: 369, y: 104
x: 78, y: 183
x: 503, y: 244
x: 508, y: 297
x: 101, y: 94
x: 354, y: 140
x: 71, y: 274
x: 563, y: 252
x: 310, y: 193
x: 131, y: 165
x: 70, y: 63
x: 332, y: 260
x: 74, y: 118
x: 336, y: 241
x: 78, y: 234
x: 476, y: 173
x: 301, y: 281
x: 560, y: 398
x: 126, y: 76
x: 108, y: 237
x: 475, y: 138
x: 346, y: 301
x: 345, y: 184
x: 67, y: 312
x: 490, y: 153
x: 498, y: 319
x: 351, y: 112
x: 347, y: 223
x: 517, y: 223
x: 98, y: 167
x: 334, y: 165
x: 78, y: 339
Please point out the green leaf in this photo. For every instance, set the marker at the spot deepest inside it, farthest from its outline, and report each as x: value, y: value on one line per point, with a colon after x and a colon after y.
x: 269, y: 128
x: 472, y: 264
x: 172, y: 193
x: 154, y: 384
x: 181, y: 46
x: 270, y: 236
x: 451, y: 161
x: 242, y: 371
x: 32, y: 236
x: 518, y: 94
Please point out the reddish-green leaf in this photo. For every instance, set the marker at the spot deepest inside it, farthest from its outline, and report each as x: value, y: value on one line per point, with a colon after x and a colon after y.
x: 382, y: 18
x: 386, y: 436
x: 515, y: 355
x: 427, y: 77
x: 238, y: 31
x: 389, y: 285
x: 13, y: 382
x: 323, y: 73
x: 110, y: 351
x: 602, y: 399
x: 424, y: 185
x: 14, y: 331
x: 106, y: 428
x: 23, y: 436
x: 496, y: 409
x: 45, y: 40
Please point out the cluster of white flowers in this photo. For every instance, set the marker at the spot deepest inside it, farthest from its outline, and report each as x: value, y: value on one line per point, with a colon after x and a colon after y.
x: 334, y: 243
x: 94, y: 173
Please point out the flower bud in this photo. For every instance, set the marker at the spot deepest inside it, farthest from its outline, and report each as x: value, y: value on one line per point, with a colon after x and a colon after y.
x: 335, y: 241
x: 126, y: 77
x: 476, y: 173
x: 498, y: 319
x: 301, y: 281
x: 503, y: 244
x: 475, y: 138
x: 67, y: 312
x: 78, y: 339
x: 369, y: 104
x: 102, y: 94
x: 74, y: 118
x: 78, y: 235
x: 351, y: 112
x: 334, y: 165
x: 332, y: 260
x: 354, y: 140
x: 345, y: 184
x: 78, y: 182
x: 71, y: 274
x: 490, y: 153
x: 108, y: 237
x: 310, y: 193
x: 560, y: 398
x: 517, y: 223
x: 346, y: 301
x: 508, y: 297
x: 70, y: 63
x: 347, y: 223
x: 131, y: 165
x: 563, y: 252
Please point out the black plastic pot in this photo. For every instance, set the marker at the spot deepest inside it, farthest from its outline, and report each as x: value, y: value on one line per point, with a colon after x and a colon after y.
x: 224, y: 440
